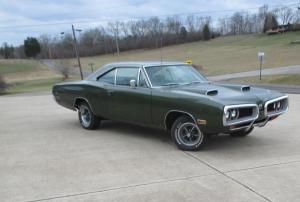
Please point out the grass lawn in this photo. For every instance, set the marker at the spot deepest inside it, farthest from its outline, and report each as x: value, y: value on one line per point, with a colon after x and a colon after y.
x: 18, y: 65
x: 288, y: 79
x: 226, y: 54
x: 33, y: 85
x: 219, y: 56
x: 27, y: 76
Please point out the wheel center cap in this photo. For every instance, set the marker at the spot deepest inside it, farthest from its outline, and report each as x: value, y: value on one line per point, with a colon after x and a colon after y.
x: 188, y: 135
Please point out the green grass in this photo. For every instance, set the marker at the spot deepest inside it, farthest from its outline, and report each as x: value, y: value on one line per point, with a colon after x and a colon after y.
x: 19, y: 65
x: 219, y: 56
x: 288, y: 79
x: 33, y: 85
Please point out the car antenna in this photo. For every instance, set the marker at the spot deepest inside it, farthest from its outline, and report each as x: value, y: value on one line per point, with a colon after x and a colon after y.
x: 161, y: 44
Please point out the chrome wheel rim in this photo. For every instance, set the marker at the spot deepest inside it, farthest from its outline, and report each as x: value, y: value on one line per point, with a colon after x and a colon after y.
x: 85, y: 115
x: 189, y: 134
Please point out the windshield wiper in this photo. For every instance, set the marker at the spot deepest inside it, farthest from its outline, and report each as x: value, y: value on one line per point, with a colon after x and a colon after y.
x: 194, y: 82
x: 171, y: 84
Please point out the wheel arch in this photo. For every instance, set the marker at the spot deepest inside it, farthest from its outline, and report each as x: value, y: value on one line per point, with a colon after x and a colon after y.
x: 172, y: 115
x: 78, y: 100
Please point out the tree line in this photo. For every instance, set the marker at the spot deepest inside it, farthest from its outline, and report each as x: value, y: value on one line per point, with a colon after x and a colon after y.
x: 152, y: 33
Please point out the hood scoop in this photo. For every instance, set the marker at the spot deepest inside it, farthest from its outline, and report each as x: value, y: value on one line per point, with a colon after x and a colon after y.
x: 211, y: 92
x: 245, y: 88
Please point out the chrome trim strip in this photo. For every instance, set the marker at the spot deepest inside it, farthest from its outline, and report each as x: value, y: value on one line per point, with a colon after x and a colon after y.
x: 190, y: 115
x: 243, y: 120
x: 85, y: 100
x: 262, y: 124
x: 277, y: 112
x: 143, y: 73
x: 241, y: 128
x: 138, y: 77
x: 115, y: 82
x: 147, y: 77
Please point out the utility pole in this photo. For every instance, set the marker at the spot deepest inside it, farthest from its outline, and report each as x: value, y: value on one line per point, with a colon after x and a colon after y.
x: 76, y: 51
x: 92, y: 66
x: 117, y: 44
x: 161, y: 46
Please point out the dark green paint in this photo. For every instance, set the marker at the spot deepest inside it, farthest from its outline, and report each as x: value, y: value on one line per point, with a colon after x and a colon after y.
x: 150, y: 106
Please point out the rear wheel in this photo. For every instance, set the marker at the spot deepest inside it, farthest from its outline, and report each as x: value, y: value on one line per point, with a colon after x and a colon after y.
x: 187, y: 135
x: 86, y: 117
x: 242, y: 133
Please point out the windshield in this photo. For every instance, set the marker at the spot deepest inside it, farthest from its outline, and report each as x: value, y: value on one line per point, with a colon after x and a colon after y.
x: 174, y: 75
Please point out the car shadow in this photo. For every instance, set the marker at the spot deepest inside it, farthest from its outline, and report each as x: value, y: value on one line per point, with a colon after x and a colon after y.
x: 221, y: 142
x: 135, y: 130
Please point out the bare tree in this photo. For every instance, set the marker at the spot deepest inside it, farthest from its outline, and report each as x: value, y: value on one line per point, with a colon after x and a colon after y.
x: 284, y: 14
x: 190, y: 20
x: 114, y: 28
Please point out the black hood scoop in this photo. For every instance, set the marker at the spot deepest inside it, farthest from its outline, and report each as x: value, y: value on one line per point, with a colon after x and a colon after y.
x: 245, y: 88
x: 212, y: 92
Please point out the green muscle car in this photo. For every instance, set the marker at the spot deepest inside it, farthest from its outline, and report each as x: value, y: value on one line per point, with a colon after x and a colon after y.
x: 172, y: 96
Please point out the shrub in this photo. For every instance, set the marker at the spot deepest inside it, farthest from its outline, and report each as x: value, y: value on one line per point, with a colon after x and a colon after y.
x: 3, y: 84
x: 206, y: 32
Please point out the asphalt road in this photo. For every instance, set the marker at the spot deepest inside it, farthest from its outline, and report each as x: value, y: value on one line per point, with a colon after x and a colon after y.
x: 46, y: 156
x: 270, y: 71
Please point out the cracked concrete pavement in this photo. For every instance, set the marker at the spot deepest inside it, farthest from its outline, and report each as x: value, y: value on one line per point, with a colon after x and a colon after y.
x: 47, y: 156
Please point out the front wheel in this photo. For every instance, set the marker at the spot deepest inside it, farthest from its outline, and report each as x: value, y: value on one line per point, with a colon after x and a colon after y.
x: 86, y: 117
x: 187, y: 135
x: 242, y: 133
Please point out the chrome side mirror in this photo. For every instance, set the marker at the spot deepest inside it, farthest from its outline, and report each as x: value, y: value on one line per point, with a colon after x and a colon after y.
x: 132, y: 83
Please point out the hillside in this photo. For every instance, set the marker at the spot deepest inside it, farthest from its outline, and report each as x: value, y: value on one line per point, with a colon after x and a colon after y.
x: 222, y: 55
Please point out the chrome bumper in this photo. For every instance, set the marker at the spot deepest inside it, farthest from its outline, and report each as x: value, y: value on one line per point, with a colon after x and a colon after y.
x: 269, y: 116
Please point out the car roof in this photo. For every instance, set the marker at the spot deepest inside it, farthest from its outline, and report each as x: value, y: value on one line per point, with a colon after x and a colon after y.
x: 109, y: 66
x: 144, y: 63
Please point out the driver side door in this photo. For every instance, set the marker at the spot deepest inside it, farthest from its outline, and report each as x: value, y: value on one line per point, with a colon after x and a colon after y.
x: 130, y: 103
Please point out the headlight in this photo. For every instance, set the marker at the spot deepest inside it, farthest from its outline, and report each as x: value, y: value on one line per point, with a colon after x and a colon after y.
x: 233, y: 113
x: 227, y: 114
x: 278, y: 105
x: 274, y: 105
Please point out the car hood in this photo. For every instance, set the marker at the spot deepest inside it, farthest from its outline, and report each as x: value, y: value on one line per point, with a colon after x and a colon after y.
x: 227, y: 94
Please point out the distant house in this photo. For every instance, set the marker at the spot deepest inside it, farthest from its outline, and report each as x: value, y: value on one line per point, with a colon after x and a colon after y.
x: 284, y: 28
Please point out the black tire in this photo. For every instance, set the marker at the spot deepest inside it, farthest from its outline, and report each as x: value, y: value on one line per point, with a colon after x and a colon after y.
x: 187, y: 141
x: 241, y: 133
x: 87, y: 118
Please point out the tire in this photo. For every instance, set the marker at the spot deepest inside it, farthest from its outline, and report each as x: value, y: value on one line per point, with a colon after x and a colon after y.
x: 241, y: 133
x: 182, y: 134
x: 86, y: 117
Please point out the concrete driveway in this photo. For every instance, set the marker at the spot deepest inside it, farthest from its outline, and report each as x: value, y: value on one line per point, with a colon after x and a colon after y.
x: 46, y: 156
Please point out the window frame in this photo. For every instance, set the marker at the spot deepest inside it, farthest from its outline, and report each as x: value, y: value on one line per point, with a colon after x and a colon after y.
x: 114, y: 77
x: 141, y: 70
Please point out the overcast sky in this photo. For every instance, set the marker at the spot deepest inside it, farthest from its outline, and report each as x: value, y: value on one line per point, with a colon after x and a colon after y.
x: 18, y: 17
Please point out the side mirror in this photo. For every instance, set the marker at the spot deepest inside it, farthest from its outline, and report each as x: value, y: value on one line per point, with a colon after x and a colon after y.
x: 132, y: 83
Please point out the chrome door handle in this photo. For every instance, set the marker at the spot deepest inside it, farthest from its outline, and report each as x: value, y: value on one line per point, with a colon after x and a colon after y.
x: 110, y: 92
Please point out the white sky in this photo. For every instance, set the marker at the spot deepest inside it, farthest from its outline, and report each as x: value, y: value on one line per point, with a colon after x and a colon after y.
x: 15, y: 15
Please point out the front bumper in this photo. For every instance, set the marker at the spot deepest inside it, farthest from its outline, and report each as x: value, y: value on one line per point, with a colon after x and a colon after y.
x: 263, y: 116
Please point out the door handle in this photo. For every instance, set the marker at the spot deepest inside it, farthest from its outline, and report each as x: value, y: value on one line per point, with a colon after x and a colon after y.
x: 110, y: 92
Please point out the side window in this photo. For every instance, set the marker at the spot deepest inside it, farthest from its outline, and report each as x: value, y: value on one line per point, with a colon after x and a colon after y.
x: 124, y: 75
x: 108, y: 77
x: 142, y: 80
